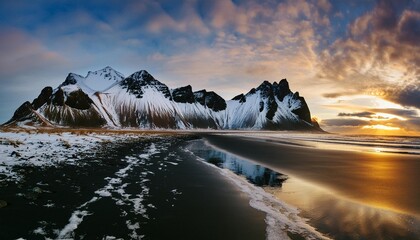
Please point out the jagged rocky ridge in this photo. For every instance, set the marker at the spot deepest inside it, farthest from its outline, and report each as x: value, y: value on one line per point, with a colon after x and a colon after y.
x: 105, y: 98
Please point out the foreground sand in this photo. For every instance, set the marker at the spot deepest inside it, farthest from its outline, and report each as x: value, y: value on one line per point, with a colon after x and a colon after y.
x: 74, y: 185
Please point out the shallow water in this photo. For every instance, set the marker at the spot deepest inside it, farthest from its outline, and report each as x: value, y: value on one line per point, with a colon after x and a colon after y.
x: 330, y: 213
x: 367, y: 143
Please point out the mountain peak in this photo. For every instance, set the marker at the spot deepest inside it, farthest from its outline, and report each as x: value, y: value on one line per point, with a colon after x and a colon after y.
x: 72, y: 78
x: 282, y: 89
x: 142, y: 75
x: 136, y: 82
x: 107, y: 72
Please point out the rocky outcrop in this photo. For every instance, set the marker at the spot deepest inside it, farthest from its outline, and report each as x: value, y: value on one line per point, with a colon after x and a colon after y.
x: 23, y: 112
x: 303, y: 111
x: 43, y: 98
x: 281, y: 89
x: 241, y: 98
x: 183, y: 94
x: 210, y: 100
x: 78, y: 100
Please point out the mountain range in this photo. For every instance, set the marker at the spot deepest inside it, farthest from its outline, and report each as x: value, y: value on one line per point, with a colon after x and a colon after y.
x: 105, y: 98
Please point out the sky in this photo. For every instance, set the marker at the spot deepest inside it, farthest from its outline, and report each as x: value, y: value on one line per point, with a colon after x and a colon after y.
x: 357, y: 63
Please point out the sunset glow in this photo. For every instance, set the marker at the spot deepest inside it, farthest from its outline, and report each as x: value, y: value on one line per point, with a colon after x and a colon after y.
x: 381, y: 127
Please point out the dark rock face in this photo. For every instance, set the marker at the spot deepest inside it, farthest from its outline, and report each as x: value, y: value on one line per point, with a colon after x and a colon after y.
x: 210, y: 99
x: 79, y: 100
x: 200, y: 97
x: 58, y: 98
x: 241, y: 98
x: 70, y: 80
x: 44, y: 97
x: 282, y: 89
x: 138, y: 80
x: 183, y: 94
x: 303, y: 112
x: 272, y: 107
x: 23, y: 112
x: 215, y: 102
x: 261, y: 106
x: 267, y: 91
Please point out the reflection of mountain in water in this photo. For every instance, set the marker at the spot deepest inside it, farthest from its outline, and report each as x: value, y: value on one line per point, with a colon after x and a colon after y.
x: 256, y: 174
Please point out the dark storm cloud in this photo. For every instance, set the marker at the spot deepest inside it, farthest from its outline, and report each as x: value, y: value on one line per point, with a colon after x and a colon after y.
x: 408, y: 96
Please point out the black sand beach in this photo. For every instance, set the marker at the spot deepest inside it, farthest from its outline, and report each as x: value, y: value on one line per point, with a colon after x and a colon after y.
x: 345, y: 194
x: 156, y: 187
x: 178, y: 198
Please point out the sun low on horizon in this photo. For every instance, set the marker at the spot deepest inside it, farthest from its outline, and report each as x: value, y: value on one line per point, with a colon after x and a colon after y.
x: 356, y: 63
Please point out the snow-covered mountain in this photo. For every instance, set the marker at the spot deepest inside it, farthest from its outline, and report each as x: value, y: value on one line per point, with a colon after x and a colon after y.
x: 105, y: 98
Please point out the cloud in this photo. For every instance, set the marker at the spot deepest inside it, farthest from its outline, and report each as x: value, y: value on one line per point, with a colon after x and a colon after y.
x: 184, y: 19
x: 20, y: 54
x: 408, y: 28
x: 360, y: 121
x: 324, y: 5
x: 356, y: 114
x: 249, y: 42
x: 406, y: 96
x: 339, y: 94
x: 26, y: 66
x: 407, y: 113
x: 347, y: 122
x: 377, y: 56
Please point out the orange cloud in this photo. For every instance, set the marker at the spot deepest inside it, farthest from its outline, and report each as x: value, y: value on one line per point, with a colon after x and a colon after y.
x: 377, y: 56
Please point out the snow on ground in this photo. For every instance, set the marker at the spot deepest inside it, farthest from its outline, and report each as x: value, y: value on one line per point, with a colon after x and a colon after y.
x: 46, y: 149
x: 116, y: 190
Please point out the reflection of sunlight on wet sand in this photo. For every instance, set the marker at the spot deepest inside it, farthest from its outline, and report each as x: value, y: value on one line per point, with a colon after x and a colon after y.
x: 365, y: 192
x: 382, y: 172
x: 343, y: 217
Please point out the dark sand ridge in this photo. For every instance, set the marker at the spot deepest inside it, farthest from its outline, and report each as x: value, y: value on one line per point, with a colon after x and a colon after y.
x: 382, y: 180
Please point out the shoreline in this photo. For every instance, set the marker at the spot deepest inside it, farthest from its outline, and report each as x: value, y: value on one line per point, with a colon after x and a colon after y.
x: 345, y: 173
x: 330, y: 212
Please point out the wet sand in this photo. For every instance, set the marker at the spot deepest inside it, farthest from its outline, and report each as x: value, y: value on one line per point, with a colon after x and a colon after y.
x: 381, y: 180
